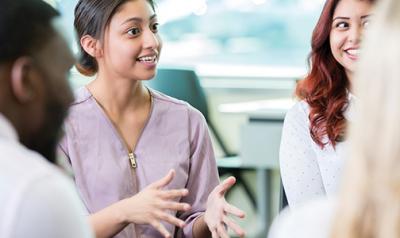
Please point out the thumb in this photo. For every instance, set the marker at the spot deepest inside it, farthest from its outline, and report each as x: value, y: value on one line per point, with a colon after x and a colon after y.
x: 225, y: 185
x: 164, y: 181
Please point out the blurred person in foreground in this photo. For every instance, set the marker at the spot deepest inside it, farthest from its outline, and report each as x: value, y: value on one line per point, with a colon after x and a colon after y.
x: 37, y: 200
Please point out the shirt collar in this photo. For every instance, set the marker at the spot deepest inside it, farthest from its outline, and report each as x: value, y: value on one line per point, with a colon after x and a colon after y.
x: 6, y: 129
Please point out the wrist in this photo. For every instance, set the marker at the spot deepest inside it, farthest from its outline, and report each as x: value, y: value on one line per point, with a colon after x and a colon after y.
x: 120, y: 212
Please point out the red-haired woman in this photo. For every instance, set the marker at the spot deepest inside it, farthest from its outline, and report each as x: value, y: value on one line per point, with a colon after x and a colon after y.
x: 312, y: 146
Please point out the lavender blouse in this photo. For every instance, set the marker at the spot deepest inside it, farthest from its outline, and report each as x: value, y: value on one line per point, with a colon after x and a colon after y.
x: 175, y: 136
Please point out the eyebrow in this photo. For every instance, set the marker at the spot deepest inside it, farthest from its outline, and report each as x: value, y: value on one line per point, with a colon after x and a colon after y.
x: 347, y: 18
x: 138, y: 19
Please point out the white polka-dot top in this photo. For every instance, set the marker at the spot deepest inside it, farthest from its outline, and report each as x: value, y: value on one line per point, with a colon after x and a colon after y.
x: 308, y: 171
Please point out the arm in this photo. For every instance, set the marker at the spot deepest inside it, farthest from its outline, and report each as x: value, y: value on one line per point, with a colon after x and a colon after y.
x: 202, y: 179
x: 299, y: 168
x: 210, y: 208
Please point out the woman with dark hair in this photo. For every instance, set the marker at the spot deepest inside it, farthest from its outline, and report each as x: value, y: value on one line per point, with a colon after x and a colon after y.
x: 143, y: 162
x: 313, y: 136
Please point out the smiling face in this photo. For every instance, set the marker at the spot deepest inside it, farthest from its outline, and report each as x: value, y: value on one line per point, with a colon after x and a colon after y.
x: 132, y: 45
x: 349, y: 21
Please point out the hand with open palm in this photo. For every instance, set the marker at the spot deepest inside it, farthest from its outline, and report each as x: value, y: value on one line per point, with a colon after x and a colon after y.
x: 153, y: 205
x: 218, y: 211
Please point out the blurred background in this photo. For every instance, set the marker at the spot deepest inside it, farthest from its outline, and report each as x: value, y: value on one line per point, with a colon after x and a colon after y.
x: 247, y: 56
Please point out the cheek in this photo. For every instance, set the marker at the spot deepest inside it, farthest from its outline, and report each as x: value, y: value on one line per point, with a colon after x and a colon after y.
x: 335, y: 42
x: 123, y: 53
x: 160, y: 42
x: 338, y: 39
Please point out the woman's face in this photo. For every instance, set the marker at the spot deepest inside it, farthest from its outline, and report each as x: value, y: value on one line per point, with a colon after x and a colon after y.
x: 132, y: 45
x: 348, y: 23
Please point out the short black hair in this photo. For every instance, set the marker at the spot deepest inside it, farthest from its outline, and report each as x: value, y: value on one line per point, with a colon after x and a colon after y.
x: 25, y: 27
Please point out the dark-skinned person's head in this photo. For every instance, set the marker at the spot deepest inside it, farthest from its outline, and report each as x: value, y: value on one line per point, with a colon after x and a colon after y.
x: 34, y: 64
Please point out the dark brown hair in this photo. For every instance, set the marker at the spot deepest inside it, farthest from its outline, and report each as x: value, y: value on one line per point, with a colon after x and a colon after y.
x: 92, y: 18
x: 325, y: 88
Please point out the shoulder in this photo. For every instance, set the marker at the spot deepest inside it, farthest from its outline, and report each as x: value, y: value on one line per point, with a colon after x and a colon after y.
x: 177, y: 106
x: 163, y: 98
x: 81, y: 95
x: 297, y: 118
x: 37, y: 187
x: 300, y: 110
x: 312, y: 219
x: 80, y: 113
x: 61, y: 211
x: 25, y: 168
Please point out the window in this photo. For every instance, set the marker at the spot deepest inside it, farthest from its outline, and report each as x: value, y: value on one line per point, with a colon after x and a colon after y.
x: 230, y: 32
x: 245, y: 32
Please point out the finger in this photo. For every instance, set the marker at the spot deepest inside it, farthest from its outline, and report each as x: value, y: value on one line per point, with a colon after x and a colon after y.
x: 214, y: 233
x: 234, y: 210
x: 221, y: 231
x: 164, y: 181
x: 225, y: 185
x: 174, y: 193
x: 235, y: 227
x: 171, y: 219
x: 160, y: 227
x: 175, y: 206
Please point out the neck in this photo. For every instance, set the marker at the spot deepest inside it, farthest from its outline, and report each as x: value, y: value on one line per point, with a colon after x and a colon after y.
x: 350, y: 75
x: 118, y: 96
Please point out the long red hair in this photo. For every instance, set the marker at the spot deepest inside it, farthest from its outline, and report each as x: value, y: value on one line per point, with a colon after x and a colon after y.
x: 325, y: 87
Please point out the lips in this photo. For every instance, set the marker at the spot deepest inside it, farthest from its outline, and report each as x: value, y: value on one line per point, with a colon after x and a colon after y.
x: 352, y: 53
x: 148, y: 58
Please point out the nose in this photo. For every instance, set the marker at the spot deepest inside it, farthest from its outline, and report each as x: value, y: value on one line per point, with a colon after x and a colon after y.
x: 151, y: 40
x: 355, y: 34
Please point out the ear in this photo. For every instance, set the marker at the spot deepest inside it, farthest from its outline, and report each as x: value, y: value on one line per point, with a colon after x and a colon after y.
x: 22, y: 85
x: 91, y: 45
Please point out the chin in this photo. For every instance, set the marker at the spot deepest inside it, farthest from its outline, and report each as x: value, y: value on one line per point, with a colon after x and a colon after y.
x: 149, y: 76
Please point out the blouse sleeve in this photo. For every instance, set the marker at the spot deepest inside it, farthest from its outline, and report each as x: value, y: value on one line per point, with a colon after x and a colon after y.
x: 299, y: 168
x: 63, y: 155
x: 203, y: 175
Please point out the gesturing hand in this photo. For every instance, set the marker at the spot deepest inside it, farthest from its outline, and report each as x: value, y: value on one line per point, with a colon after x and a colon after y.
x: 151, y: 205
x: 218, y: 210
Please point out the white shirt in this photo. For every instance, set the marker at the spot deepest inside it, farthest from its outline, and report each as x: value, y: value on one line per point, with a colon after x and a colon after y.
x: 308, y: 171
x: 311, y: 220
x: 36, y: 199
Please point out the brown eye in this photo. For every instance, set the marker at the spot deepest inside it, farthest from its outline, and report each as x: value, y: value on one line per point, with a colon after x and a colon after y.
x: 154, y: 27
x: 342, y: 25
x: 134, y: 31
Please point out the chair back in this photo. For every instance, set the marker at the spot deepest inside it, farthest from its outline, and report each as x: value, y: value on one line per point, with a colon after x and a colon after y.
x: 182, y: 84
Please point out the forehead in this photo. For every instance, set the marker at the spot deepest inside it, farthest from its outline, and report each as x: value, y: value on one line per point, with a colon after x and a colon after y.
x: 352, y: 8
x: 133, y: 9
